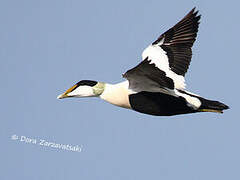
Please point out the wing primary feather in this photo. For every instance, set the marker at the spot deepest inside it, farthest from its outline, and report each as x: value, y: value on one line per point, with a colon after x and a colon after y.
x: 178, y: 41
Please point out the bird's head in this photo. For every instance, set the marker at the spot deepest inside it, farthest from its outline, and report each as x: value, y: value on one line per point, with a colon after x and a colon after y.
x: 84, y: 88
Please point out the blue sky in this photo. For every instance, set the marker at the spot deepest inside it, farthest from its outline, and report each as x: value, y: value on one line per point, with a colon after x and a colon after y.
x: 47, y: 46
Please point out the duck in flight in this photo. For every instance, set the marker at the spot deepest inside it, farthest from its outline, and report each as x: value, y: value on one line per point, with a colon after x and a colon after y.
x: 156, y: 86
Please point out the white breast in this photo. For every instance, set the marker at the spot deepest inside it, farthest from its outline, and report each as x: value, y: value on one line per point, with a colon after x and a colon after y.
x: 117, y: 94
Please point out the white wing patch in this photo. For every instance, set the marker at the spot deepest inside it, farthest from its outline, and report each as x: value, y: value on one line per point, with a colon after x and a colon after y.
x: 158, y: 56
x: 193, y: 102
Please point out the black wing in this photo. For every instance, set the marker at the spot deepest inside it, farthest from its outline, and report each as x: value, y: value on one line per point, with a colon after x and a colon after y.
x: 178, y: 40
x: 145, y: 76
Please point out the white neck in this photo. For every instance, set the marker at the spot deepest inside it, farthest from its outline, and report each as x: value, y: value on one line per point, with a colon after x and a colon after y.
x: 117, y: 94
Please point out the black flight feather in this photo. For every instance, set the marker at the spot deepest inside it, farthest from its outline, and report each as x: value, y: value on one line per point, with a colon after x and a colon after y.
x: 178, y: 41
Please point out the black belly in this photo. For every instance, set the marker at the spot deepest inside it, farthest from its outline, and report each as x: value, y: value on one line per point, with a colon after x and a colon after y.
x: 159, y: 104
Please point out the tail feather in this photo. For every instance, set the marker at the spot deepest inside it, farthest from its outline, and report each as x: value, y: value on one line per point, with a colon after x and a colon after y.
x: 212, y: 106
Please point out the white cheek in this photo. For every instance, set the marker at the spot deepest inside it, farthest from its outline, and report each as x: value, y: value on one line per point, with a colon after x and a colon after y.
x: 83, y: 91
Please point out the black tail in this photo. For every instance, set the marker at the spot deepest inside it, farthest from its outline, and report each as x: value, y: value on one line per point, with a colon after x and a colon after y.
x: 212, y: 106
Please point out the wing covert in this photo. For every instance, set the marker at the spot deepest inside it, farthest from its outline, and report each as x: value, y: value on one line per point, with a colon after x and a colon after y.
x: 178, y: 41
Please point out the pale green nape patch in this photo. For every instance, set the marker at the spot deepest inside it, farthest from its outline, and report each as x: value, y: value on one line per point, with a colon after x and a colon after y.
x: 99, y: 88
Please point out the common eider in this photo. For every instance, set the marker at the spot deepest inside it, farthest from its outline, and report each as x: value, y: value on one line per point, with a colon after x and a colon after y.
x: 156, y: 86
